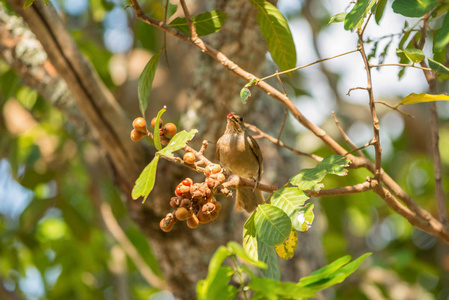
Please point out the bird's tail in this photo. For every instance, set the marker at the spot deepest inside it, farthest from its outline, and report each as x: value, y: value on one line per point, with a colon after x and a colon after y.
x: 248, y: 199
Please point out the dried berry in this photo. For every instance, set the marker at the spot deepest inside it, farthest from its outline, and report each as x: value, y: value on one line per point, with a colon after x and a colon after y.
x: 153, y: 122
x: 136, y: 135
x: 185, y: 190
x: 208, y: 208
x: 189, y: 158
x: 174, y: 202
x: 167, y: 223
x: 185, y: 202
x: 216, y: 168
x: 217, y: 206
x: 140, y: 125
x: 203, y: 218
x: 193, y: 222
x: 214, y: 215
x: 170, y: 130
x: 212, y: 169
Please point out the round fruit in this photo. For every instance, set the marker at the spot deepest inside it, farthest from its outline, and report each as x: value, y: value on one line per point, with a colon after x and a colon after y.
x: 170, y: 130
x: 193, y: 222
x: 189, y: 158
x: 153, y: 122
x: 178, y: 190
x: 203, y: 218
x: 221, y: 178
x: 185, y: 202
x: 187, y: 182
x: 174, y: 202
x: 217, y: 206
x: 140, y: 125
x: 182, y: 214
x: 136, y: 135
x: 214, y: 215
x: 216, y: 168
x: 166, y: 225
x: 208, y: 208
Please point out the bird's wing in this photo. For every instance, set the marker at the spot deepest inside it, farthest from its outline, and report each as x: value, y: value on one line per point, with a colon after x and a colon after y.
x: 257, y: 152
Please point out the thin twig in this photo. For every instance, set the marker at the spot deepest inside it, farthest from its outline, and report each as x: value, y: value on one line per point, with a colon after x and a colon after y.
x: 308, y: 65
x: 192, y: 29
x: 280, y: 143
x: 165, y: 35
x: 372, y: 106
x: 286, y: 110
x: 340, y: 191
x: 394, y: 107
x: 355, y: 88
x: 345, y: 136
x: 400, y: 65
x: 117, y: 232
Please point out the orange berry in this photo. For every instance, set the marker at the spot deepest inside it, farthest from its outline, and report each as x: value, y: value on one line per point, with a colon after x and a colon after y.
x: 216, y: 168
x: 218, y: 206
x: 140, y: 125
x: 153, y: 122
x: 170, y: 130
x: 193, y: 222
x: 167, y: 223
x: 187, y: 182
x: 189, y: 158
x: 182, y: 213
x: 214, y: 215
x: 203, y: 218
x: 136, y: 135
x: 178, y: 190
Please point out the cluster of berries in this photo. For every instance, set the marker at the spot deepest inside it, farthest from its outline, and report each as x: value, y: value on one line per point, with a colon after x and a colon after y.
x: 166, y: 132
x: 195, y: 202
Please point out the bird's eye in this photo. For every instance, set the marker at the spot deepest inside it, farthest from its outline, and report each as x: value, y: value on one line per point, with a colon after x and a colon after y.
x: 241, y: 119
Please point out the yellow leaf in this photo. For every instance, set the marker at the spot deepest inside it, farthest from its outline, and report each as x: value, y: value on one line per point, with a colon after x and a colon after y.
x: 419, y: 98
x: 288, y: 247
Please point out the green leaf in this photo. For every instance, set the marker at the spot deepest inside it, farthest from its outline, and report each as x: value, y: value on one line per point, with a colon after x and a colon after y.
x: 217, y: 287
x: 145, y: 183
x: 303, y: 217
x: 355, y: 17
x: 414, y: 55
x: 380, y: 10
x: 146, y: 81
x: 28, y: 3
x: 287, y: 248
x: 338, y: 18
x: 289, y: 199
x: 177, y: 142
x: 267, y: 254
x: 236, y: 249
x: 205, y: 23
x: 277, y: 34
x: 156, y: 136
x: 442, y: 38
x: 272, y: 224
x: 421, y: 98
x: 250, y: 238
x: 413, y: 8
x: 266, y: 288
x: 439, y: 67
x: 325, y: 271
x: 308, y: 179
x: 329, y: 278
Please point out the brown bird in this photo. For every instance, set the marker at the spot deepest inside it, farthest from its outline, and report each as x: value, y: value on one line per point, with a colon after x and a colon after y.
x: 240, y: 154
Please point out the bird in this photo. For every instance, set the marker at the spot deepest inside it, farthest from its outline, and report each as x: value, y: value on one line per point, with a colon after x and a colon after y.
x: 240, y: 154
